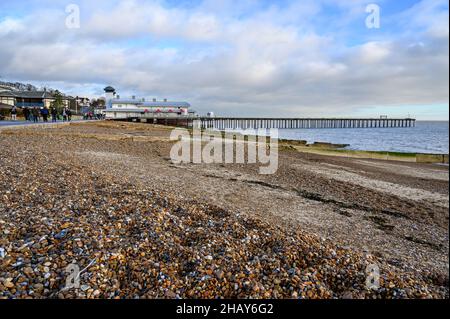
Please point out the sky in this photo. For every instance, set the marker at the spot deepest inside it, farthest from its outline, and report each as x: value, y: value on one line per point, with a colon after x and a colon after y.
x: 238, y: 57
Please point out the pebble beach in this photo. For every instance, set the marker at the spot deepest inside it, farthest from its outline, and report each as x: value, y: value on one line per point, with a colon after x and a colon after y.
x: 104, y: 196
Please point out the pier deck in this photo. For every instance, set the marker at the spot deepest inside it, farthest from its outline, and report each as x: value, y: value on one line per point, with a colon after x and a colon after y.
x: 223, y: 123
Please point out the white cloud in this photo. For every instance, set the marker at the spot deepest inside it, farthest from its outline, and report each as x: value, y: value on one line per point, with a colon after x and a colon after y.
x: 274, y: 61
x: 373, y: 52
x: 9, y: 25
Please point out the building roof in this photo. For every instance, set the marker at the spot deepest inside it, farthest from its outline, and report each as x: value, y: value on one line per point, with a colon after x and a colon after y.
x: 109, y: 89
x: 30, y: 95
x: 151, y: 104
x: 33, y: 94
x: 124, y: 110
x: 7, y: 94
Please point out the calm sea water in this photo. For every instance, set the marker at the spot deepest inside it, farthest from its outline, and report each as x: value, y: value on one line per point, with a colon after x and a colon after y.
x: 426, y: 137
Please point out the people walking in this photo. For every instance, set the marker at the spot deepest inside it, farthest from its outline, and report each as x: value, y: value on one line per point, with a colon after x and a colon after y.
x: 54, y: 114
x: 69, y: 114
x: 64, y: 114
x: 35, y: 113
x: 14, y: 114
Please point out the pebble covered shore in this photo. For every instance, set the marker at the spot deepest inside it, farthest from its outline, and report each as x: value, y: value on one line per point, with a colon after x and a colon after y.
x: 133, y: 242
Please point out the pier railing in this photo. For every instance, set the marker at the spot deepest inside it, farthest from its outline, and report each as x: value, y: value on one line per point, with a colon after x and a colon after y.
x: 223, y: 123
x: 303, y: 123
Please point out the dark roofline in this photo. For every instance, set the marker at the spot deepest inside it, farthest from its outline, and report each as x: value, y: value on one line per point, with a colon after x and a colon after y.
x: 32, y: 95
x: 7, y: 93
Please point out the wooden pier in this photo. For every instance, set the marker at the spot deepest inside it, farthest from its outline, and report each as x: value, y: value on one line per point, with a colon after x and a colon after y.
x: 223, y: 123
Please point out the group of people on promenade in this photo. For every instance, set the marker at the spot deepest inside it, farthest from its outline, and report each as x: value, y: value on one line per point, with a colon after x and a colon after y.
x: 34, y: 114
x: 93, y: 116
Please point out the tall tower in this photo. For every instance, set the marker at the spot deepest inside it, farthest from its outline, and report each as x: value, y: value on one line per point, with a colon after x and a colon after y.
x: 109, y: 94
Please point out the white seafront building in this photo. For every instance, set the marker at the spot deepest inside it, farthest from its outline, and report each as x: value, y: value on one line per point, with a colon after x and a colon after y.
x: 133, y: 108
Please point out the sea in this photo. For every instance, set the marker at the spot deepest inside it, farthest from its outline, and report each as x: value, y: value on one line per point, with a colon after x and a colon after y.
x: 430, y: 137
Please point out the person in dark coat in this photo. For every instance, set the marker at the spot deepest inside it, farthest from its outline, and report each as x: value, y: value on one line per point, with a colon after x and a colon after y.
x: 35, y: 113
x: 54, y: 114
x: 69, y: 114
x: 26, y: 114
x: 44, y: 113
x: 14, y: 113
